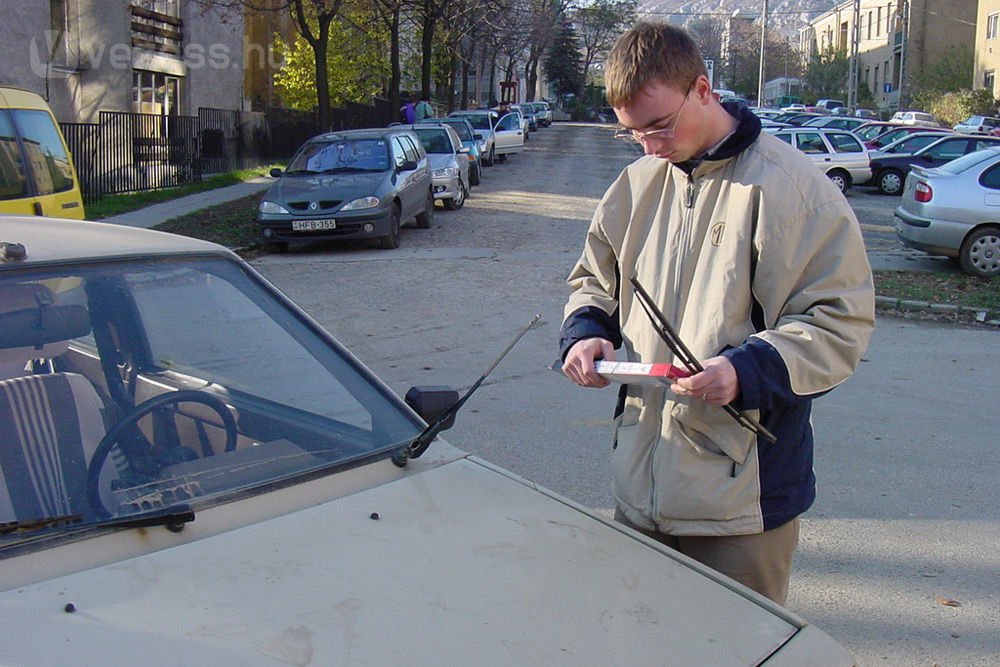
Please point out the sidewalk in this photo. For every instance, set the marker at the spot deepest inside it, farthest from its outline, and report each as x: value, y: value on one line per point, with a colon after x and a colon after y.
x: 160, y: 213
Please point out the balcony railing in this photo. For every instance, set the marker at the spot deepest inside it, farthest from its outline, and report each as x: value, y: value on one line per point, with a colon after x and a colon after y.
x: 156, y: 32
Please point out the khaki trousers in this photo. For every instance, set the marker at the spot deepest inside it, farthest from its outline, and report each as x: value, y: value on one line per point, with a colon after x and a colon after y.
x: 762, y: 562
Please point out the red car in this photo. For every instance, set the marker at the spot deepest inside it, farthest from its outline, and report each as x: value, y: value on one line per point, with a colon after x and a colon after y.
x: 895, y: 132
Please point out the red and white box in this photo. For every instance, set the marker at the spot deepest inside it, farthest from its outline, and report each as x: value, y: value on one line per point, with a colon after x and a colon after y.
x: 632, y: 372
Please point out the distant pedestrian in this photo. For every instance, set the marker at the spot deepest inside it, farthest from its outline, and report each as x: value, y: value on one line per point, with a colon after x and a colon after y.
x: 424, y: 109
x: 408, y: 112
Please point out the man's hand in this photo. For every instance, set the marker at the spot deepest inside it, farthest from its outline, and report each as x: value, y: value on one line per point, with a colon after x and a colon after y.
x: 717, y: 384
x: 579, y: 363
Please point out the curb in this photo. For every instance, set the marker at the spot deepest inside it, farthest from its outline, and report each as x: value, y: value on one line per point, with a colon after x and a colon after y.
x: 905, y: 308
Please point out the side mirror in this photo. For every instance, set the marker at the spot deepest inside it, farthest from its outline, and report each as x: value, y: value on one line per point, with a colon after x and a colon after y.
x: 431, y: 401
x: 409, y: 165
x: 276, y: 173
x: 478, y: 136
x: 464, y: 149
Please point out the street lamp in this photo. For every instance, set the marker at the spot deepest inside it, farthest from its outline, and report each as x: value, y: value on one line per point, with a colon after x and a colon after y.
x: 763, y: 41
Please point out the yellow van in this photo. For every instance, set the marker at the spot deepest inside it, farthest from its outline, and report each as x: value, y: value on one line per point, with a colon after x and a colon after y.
x: 36, y: 171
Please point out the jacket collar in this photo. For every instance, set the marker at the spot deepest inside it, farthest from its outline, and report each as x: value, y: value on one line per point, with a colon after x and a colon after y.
x: 747, y: 131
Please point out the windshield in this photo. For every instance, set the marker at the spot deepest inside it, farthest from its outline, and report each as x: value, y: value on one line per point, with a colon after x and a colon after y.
x: 435, y: 140
x: 341, y: 155
x: 479, y: 121
x: 958, y: 165
x: 200, y: 381
x: 463, y: 131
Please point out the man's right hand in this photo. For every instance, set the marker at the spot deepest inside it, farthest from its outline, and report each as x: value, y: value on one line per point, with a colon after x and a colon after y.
x: 579, y: 363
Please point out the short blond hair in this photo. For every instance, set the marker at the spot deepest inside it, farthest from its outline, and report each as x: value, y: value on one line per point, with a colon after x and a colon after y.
x: 651, y: 52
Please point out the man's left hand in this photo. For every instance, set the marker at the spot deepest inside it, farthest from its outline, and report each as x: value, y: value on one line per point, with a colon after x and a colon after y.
x: 718, y: 384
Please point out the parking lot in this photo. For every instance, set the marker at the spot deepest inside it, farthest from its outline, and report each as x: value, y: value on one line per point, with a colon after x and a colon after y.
x: 908, y: 514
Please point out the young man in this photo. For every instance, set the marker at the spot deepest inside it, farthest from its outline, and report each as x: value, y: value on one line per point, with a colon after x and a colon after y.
x: 758, y: 262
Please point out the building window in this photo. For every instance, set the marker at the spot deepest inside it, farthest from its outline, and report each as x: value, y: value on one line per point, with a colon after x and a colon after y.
x: 989, y: 79
x: 156, y: 93
x: 877, y: 87
x: 878, y: 22
x: 167, y: 7
x: 869, y: 25
x: 991, y: 26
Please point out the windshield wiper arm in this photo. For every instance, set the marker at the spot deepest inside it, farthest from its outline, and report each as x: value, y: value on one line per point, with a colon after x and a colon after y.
x: 172, y: 518
x: 420, y: 444
x: 8, y: 527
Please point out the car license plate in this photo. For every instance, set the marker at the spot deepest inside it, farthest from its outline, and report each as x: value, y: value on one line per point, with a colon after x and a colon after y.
x: 313, y: 225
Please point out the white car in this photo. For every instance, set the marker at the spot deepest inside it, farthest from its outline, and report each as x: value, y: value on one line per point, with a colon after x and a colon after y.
x: 914, y: 118
x: 449, y: 163
x: 195, y: 473
x: 507, y: 129
x: 839, y: 153
x: 977, y: 125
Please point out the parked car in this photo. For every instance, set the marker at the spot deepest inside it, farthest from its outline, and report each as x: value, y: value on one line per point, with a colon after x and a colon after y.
x: 508, y: 130
x: 840, y: 154
x: 797, y: 117
x: 449, y: 163
x: 482, y: 129
x: 544, y: 113
x: 607, y: 115
x: 978, y: 125
x: 829, y: 104
x: 529, y: 115
x: 37, y: 176
x: 869, y: 114
x: 897, y: 132
x: 766, y: 113
x: 872, y: 129
x: 915, y: 118
x: 216, y: 480
x: 889, y: 172
x: 954, y: 210
x: 463, y: 128
x: 348, y: 185
x: 907, y: 144
x: 835, y: 122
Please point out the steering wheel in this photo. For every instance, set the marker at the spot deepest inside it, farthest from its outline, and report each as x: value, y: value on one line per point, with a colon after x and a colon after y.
x: 133, y: 416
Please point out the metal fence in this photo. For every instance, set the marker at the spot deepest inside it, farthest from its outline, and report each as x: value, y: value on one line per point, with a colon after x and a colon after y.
x: 129, y: 152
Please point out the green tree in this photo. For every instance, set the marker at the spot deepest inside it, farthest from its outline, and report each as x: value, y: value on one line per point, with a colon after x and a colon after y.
x: 564, y: 64
x: 826, y: 74
x: 951, y: 72
x: 357, y: 67
x: 955, y: 106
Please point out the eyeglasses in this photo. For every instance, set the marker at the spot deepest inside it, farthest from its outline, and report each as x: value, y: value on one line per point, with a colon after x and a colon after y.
x: 637, y: 137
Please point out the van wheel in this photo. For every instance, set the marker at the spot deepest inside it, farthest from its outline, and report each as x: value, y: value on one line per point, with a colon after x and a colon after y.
x: 391, y: 240
x: 425, y: 219
x: 980, y: 253
x: 474, y: 175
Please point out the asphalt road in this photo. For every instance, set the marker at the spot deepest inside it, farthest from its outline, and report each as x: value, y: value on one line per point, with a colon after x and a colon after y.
x: 898, y: 558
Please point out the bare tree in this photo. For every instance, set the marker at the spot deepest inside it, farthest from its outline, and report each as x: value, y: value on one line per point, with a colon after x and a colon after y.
x: 599, y: 24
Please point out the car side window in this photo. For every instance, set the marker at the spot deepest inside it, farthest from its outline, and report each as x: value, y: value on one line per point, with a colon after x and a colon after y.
x: 784, y: 137
x: 991, y: 178
x: 810, y: 142
x: 844, y: 143
x: 13, y: 181
x: 509, y: 122
x: 398, y: 152
x: 948, y: 150
x: 411, y: 150
x: 983, y: 143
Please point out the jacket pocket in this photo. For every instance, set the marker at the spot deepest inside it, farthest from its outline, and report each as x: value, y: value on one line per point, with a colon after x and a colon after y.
x: 707, y: 428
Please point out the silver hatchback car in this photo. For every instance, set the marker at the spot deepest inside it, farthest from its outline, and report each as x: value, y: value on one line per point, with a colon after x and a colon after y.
x: 954, y: 210
x: 839, y: 153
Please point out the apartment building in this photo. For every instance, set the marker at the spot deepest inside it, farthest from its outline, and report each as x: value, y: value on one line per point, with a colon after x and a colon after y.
x: 896, y: 40
x: 987, y: 61
x: 153, y: 56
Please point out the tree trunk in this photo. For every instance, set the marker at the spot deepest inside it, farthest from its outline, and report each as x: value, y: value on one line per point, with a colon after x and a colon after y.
x: 397, y: 76
x: 427, y: 45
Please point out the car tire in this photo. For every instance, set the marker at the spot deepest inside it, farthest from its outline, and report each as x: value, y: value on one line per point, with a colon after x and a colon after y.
x: 474, y: 175
x: 458, y: 201
x: 492, y: 158
x: 391, y: 240
x: 426, y: 218
x: 276, y: 246
x: 890, y: 182
x: 980, y: 252
x: 840, y: 178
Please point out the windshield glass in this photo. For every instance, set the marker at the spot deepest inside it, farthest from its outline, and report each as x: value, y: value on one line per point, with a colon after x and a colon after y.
x: 463, y: 131
x: 198, y: 379
x: 435, y: 140
x: 479, y: 121
x: 349, y: 154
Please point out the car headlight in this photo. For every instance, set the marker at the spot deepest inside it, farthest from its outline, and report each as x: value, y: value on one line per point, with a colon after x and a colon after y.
x: 361, y: 203
x: 446, y: 172
x: 272, y: 207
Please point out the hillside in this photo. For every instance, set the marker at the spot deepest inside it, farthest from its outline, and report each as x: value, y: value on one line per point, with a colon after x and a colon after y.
x: 786, y: 16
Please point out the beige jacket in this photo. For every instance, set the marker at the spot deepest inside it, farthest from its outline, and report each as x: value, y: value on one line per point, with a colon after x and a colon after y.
x: 685, y: 467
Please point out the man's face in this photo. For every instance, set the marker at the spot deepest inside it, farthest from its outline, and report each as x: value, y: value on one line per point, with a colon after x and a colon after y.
x: 666, y: 121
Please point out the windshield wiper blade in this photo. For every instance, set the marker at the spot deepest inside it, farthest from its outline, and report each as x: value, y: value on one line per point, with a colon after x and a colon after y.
x: 419, y: 445
x: 8, y: 527
x: 172, y: 518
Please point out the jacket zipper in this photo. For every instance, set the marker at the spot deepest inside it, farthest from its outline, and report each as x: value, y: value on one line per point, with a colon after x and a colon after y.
x: 690, y: 195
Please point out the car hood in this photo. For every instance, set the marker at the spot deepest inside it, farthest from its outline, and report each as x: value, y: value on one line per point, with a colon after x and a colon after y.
x: 343, y: 186
x: 461, y: 564
x: 442, y: 160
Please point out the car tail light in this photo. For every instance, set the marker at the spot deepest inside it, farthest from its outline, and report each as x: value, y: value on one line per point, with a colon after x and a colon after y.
x: 923, y: 193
